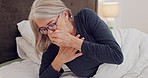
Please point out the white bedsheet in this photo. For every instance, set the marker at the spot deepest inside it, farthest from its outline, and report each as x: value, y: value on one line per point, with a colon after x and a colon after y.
x: 24, y: 69
x: 134, y: 47
x: 28, y: 69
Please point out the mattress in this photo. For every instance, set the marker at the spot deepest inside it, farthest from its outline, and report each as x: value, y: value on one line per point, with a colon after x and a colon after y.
x: 9, y: 62
x: 27, y: 69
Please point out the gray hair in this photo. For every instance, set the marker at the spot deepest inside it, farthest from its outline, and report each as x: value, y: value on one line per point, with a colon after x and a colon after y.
x: 44, y: 9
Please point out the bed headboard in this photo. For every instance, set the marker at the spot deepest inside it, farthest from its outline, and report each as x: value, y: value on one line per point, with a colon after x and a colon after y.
x: 76, y: 5
x: 14, y: 11
x: 11, y: 12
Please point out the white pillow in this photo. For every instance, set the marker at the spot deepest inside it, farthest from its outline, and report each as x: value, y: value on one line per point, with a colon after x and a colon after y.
x: 27, y: 51
x: 26, y: 31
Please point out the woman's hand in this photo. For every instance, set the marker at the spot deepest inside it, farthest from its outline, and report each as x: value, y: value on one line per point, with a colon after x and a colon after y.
x: 61, y: 38
x: 65, y: 54
x: 64, y: 39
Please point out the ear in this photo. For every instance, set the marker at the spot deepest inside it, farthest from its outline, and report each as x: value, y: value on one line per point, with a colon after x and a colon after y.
x: 65, y: 14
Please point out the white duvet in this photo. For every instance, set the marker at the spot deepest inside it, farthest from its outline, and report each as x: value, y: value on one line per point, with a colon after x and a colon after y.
x: 134, y: 47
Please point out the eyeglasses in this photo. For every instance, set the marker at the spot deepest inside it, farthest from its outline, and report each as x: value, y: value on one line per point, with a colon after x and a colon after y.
x: 52, y: 27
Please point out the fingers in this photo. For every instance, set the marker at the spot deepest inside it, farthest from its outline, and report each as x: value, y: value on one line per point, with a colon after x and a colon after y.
x: 68, y: 54
x: 56, y: 34
x: 53, y: 33
x: 82, y: 38
x: 74, y: 51
x: 50, y: 32
x: 78, y: 36
x: 77, y: 55
x: 67, y: 49
x: 54, y: 41
x: 56, y: 31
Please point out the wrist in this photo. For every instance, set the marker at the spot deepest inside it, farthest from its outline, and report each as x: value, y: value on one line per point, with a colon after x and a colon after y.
x: 77, y: 43
x: 57, y: 64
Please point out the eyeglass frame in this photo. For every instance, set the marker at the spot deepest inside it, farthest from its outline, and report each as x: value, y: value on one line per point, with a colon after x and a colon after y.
x: 43, y: 29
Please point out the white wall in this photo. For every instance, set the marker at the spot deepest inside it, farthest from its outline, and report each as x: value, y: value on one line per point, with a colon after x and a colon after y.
x: 133, y: 14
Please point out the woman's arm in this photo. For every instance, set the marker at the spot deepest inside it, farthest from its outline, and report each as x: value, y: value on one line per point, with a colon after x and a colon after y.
x: 106, y: 49
x: 52, y: 68
x: 48, y: 68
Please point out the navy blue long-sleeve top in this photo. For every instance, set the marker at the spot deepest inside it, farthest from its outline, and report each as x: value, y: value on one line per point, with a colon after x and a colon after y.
x: 98, y: 47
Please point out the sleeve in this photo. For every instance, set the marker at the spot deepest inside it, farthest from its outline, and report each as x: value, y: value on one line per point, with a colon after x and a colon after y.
x: 106, y: 49
x: 46, y: 69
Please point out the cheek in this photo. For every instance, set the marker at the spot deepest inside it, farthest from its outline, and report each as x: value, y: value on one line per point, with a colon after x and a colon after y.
x: 62, y: 26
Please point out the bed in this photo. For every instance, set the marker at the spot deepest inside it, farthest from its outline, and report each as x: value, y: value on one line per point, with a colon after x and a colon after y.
x: 134, y: 47
x: 132, y: 42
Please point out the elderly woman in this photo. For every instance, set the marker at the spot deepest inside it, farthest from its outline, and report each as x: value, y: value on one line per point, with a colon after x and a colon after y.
x: 82, y: 42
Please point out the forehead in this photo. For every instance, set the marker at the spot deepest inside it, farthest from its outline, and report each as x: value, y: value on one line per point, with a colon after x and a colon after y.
x: 42, y: 22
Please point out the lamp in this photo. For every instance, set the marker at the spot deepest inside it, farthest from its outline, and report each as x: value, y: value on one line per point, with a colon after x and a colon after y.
x: 110, y: 10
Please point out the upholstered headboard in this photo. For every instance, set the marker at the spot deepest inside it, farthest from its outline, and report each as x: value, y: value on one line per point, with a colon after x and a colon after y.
x: 76, y: 5
x: 11, y: 12
x: 14, y: 11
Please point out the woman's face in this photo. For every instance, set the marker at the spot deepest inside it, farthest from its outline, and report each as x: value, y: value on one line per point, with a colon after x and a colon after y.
x: 60, y: 22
